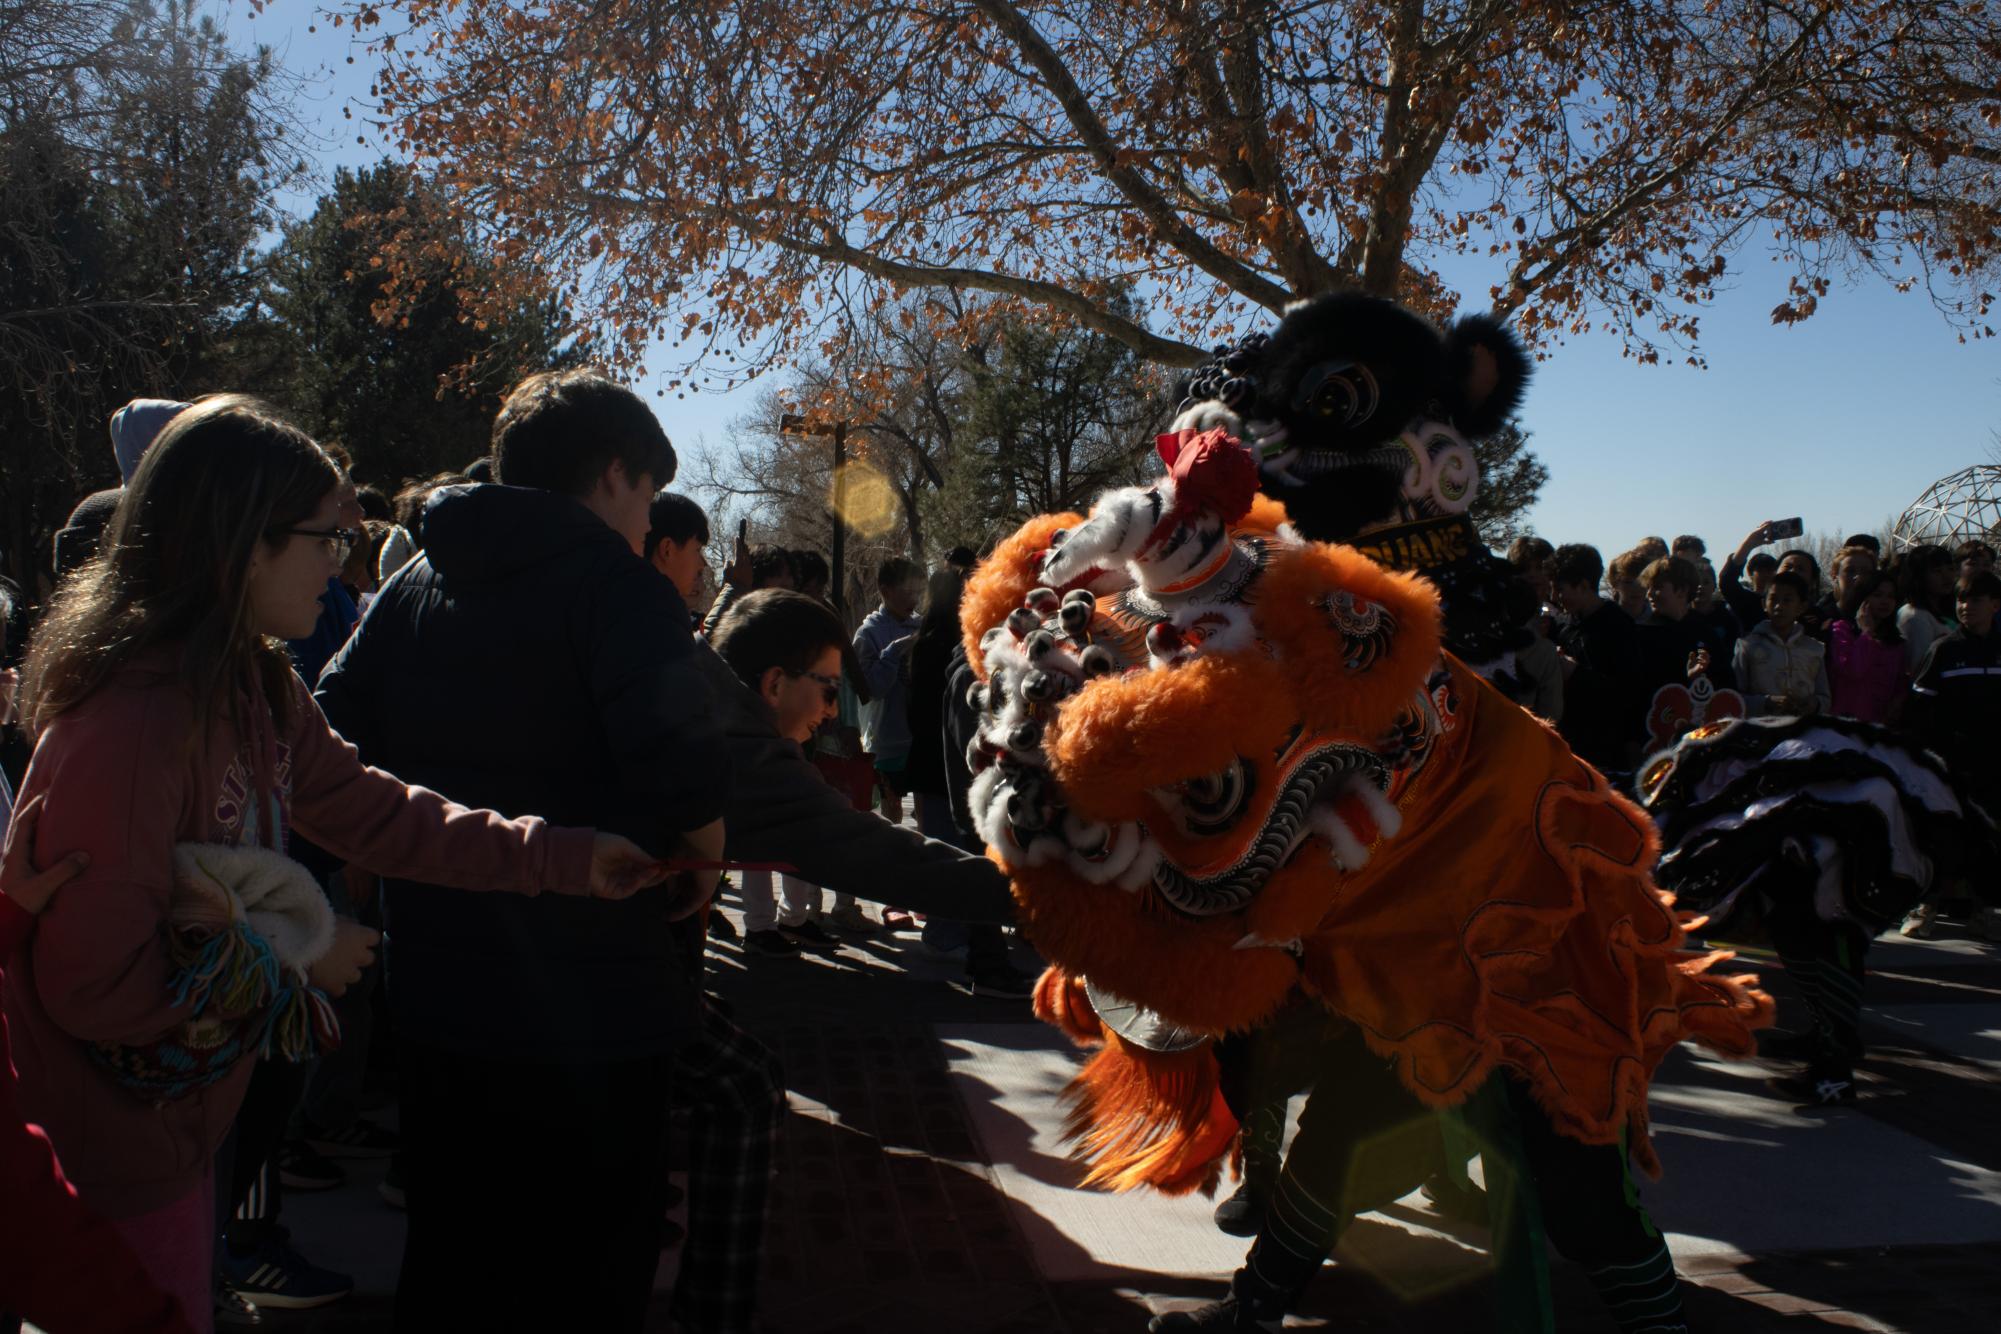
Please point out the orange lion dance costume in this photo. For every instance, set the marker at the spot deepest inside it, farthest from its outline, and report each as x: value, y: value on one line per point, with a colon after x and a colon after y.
x: 1223, y: 765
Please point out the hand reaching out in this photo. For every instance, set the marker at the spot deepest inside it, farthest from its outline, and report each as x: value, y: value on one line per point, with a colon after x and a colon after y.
x: 342, y: 965
x: 31, y: 889
x: 621, y: 868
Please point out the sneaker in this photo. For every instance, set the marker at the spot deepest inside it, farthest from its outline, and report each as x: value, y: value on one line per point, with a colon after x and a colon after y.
x: 233, y: 1310
x: 363, y: 1139
x: 810, y: 934
x: 1229, y: 1316
x: 301, y: 1167
x: 1244, y: 1212
x: 721, y: 927
x: 774, y: 943
x: 854, y: 919
x: 390, y: 1188
x: 275, y: 1275
x: 1921, y: 923
x: 1003, y: 983
x: 1818, y: 1086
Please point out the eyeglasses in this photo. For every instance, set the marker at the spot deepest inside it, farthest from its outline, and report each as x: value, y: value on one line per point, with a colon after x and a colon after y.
x: 339, y: 541
x: 830, y: 688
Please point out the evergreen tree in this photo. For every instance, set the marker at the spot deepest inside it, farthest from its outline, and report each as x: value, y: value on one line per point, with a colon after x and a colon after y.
x: 139, y: 157
x: 407, y: 377
x: 1511, y: 477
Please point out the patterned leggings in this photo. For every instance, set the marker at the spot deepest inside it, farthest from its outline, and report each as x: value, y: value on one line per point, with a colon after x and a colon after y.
x: 733, y: 1088
x: 1824, y: 961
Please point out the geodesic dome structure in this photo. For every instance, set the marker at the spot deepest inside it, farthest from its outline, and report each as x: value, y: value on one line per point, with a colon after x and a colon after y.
x: 1954, y: 509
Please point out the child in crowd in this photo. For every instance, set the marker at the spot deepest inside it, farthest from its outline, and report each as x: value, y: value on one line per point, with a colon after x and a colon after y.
x: 1955, y: 707
x: 1854, y: 568
x: 166, y: 715
x: 1925, y: 582
x: 1623, y: 586
x: 1956, y: 699
x: 1866, y: 675
x: 1781, y: 668
x: 1600, y: 662
x: 1674, y: 635
x: 1973, y: 556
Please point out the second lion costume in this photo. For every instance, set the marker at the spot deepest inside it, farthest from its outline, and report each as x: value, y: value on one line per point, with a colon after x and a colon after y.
x: 1238, y: 778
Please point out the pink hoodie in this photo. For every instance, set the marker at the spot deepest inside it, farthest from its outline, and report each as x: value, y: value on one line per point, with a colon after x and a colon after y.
x: 1866, y: 675
x: 125, y: 784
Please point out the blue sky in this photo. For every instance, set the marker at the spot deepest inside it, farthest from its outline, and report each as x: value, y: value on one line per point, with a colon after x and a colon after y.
x: 1842, y: 420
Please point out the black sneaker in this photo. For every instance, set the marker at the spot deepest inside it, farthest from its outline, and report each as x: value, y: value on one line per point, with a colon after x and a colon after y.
x: 1004, y: 983
x: 811, y: 935
x: 721, y: 927
x: 301, y: 1167
x: 273, y: 1274
x: 1244, y: 1212
x: 363, y: 1139
x: 774, y: 943
x: 233, y: 1310
x: 1229, y: 1316
x: 1818, y: 1086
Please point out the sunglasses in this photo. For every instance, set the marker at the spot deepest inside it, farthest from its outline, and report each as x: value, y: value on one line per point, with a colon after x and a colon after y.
x: 339, y: 541
x: 830, y: 688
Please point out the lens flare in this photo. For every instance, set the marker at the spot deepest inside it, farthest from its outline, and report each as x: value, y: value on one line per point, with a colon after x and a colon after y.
x: 865, y: 500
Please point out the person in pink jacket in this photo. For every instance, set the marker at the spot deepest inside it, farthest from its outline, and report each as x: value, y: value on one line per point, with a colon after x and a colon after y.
x: 165, y: 713
x: 1866, y: 668
x: 61, y: 1266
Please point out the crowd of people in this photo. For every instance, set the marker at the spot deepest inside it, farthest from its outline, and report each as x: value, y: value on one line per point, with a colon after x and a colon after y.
x: 503, y: 731
x: 208, y: 852
x: 1630, y: 654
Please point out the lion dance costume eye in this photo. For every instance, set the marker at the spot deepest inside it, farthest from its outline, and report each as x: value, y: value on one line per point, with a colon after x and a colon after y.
x: 1222, y: 764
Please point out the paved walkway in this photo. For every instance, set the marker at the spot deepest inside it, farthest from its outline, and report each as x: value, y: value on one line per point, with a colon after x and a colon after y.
x: 922, y: 1186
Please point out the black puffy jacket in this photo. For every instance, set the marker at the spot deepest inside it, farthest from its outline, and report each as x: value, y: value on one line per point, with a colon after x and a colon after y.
x: 531, y: 663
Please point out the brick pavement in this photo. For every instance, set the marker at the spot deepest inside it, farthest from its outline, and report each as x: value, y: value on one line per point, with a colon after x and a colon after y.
x: 888, y: 1218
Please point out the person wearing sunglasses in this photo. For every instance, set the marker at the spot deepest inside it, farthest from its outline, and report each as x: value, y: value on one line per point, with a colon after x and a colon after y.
x: 773, y: 668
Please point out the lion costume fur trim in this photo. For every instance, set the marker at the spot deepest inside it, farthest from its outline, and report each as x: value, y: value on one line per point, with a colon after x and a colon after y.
x: 1510, y: 921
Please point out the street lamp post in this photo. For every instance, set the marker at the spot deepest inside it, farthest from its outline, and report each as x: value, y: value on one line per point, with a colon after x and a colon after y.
x: 793, y: 424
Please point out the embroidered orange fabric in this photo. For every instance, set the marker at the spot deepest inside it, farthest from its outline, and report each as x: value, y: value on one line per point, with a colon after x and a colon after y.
x: 1508, y: 918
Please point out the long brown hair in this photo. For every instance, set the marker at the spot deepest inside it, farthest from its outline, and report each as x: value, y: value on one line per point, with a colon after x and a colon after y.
x: 173, y: 566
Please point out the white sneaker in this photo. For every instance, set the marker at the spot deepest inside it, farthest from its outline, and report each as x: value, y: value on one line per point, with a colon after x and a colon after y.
x: 1919, y: 926
x: 852, y: 918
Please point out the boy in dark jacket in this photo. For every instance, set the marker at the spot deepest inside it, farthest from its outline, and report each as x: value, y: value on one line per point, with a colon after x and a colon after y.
x: 1600, y: 646
x: 1956, y: 698
x: 532, y: 661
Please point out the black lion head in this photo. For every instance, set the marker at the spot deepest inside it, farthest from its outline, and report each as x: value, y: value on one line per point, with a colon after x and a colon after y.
x: 1360, y: 411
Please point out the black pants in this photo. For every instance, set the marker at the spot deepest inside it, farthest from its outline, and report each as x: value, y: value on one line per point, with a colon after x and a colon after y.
x: 535, y: 1191
x: 247, y: 1190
